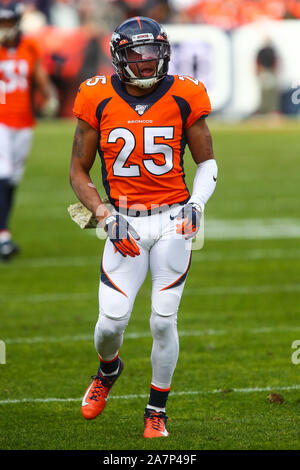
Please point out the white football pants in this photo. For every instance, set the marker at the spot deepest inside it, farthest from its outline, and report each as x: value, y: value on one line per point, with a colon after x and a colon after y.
x: 15, y: 145
x: 168, y: 256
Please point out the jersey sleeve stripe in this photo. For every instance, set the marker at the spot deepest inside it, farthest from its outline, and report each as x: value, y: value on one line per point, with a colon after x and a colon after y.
x: 99, y: 112
x: 104, y: 174
x: 184, y: 107
x: 185, y: 111
x: 100, y: 109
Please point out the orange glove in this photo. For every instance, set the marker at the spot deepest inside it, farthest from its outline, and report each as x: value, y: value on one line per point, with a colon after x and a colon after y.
x: 122, y: 235
x: 189, y: 220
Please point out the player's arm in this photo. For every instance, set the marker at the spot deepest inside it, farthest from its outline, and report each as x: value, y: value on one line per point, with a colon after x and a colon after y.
x: 43, y: 84
x: 120, y: 232
x: 199, y: 141
x: 82, y: 159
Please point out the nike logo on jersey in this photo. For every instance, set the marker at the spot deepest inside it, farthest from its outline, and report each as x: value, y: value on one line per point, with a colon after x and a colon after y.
x: 141, y: 108
x: 214, y: 178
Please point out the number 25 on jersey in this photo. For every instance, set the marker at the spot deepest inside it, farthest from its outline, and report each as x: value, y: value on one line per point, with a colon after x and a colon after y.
x: 150, y: 148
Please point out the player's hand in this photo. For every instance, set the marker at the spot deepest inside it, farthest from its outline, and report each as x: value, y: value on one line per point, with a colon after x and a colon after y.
x: 122, y: 235
x: 189, y: 220
x: 50, y: 108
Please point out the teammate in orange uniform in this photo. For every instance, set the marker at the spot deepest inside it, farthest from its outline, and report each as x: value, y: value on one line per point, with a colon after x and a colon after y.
x: 20, y: 72
x: 140, y: 120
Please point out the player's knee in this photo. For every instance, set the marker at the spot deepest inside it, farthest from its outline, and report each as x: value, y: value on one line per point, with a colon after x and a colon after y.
x: 161, y: 325
x: 106, y: 332
x: 113, y: 316
x: 165, y: 303
x: 115, y: 306
x: 6, y: 167
x: 108, y: 328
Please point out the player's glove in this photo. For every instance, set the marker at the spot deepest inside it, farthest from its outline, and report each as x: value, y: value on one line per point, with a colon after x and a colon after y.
x: 189, y: 220
x: 122, y: 235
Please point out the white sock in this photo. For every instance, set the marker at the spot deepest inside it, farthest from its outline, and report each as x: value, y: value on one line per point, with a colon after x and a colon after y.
x: 155, y: 408
x: 112, y: 373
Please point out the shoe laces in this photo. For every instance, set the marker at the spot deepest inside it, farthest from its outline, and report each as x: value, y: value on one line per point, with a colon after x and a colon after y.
x: 156, y: 419
x: 101, y: 385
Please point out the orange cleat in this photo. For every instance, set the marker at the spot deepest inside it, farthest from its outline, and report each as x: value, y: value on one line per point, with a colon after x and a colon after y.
x: 155, y: 424
x: 95, y: 397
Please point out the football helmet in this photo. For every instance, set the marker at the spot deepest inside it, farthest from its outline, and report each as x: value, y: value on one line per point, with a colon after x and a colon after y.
x: 137, y: 41
x: 10, y: 16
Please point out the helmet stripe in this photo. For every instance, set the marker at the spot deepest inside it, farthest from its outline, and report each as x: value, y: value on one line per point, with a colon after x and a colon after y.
x: 139, y: 22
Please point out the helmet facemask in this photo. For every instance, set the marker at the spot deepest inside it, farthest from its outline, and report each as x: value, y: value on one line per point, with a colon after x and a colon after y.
x: 130, y: 61
x: 9, y: 33
x: 10, y: 19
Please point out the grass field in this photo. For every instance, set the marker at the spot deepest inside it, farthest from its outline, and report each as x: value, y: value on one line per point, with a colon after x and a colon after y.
x: 238, y: 318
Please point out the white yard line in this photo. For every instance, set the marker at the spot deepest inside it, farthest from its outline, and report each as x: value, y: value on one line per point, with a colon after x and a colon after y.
x: 245, y: 229
x: 210, y: 290
x: 198, y: 256
x: 251, y: 229
x: 243, y: 290
x: 245, y: 255
x: 139, y: 335
x: 77, y: 338
x: 135, y: 396
x: 48, y: 297
x: 62, y: 261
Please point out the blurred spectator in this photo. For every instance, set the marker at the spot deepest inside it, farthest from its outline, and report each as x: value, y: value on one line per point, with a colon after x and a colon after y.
x: 33, y: 19
x: 132, y: 7
x: 179, y: 5
x: 267, y: 73
x: 229, y: 14
x: 179, y: 9
x: 262, y: 9
x: 63, y: 14
x: 292, y: 9
x: 104, y: 15
x: 158, y: 10
x: 44, y: 6
x: 226, y: 14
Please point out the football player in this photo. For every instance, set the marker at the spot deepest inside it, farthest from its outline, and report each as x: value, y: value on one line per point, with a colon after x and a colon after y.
x: 140, y: 120
x: 20, y: 73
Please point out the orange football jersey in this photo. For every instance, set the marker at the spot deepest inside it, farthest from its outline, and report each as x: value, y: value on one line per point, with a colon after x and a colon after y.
x: 142, y: 139
x: 16, y: 72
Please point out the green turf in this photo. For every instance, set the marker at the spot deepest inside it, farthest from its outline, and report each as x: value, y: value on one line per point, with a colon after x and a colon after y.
x: 238, y: 317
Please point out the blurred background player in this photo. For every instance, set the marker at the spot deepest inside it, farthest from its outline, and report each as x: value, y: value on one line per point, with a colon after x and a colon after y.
x: 268, y: 78
x: 21, y: 73
x: 143, y: 118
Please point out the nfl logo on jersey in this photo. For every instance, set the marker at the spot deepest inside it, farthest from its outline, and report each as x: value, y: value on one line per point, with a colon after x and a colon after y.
x: 141, y: 108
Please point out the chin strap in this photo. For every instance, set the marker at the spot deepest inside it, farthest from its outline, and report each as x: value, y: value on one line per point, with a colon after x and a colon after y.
x: 144, y: 83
